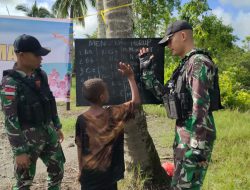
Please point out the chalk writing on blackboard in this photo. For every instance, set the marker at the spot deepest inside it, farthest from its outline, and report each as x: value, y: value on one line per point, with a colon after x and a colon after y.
x: 99, y: 58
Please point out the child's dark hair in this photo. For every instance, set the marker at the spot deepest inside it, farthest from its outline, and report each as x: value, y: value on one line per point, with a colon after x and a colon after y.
x: 92, y: 89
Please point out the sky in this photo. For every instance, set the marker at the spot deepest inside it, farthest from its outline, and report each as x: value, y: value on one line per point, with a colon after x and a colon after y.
x: 232, y: 12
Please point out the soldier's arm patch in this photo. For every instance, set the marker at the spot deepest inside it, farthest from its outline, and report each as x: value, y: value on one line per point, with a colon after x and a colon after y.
x: 9, y: 92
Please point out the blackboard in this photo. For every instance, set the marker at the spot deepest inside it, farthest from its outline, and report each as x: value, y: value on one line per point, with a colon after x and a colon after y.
x: 99, y: 58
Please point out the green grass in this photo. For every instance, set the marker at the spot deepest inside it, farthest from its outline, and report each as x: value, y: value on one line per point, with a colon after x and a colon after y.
x: 157, y: 110
x: 231, y: 156
x: 68, y: 118
x: 68, y: 125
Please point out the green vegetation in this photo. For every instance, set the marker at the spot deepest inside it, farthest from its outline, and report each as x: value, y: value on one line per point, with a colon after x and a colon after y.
x: 231, y: 156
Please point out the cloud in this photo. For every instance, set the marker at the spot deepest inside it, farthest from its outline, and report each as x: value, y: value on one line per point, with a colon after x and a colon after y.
x: 237, y: 3
x: 7, y: 7
x: 4, y: 2
x: 240, y: 22
x: 90, y: 27
x: 224, y: 16
x: 44, y: 5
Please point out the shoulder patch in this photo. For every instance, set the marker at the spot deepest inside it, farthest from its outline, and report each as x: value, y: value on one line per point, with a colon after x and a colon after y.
x: 9, y: 91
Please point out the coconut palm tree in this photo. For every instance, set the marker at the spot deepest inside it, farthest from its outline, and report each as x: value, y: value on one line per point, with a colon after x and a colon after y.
x: 139, y: 147
x: 72, y: 9
x: 119, y: 21
x: 101, y: 33
x: 34, y: 11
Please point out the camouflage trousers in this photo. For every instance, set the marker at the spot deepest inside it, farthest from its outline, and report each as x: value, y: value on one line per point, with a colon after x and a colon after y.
x: 189, y: 174
x: 43, y: 143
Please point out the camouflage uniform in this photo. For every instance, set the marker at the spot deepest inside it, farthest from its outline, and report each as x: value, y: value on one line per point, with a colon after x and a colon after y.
x: 33, y: 139
x: 195, y: 135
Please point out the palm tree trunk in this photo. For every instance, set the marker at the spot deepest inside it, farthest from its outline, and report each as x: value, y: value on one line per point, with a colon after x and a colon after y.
x: 140, y: 151
x: 118, y: 21
x: 101, y: 33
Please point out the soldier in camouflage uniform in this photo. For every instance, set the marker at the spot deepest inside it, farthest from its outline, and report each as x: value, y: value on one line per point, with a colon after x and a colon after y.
x: 31, y: 121
x: 189, y: 97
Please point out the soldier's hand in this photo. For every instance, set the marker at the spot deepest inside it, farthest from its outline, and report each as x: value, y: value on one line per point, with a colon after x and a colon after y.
x: 22, y: 161
x: 203, y: 164
x: 60, y: 135
x: 145, y: 58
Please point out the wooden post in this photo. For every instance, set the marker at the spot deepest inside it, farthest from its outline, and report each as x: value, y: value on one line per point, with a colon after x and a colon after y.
x: 71, y: 55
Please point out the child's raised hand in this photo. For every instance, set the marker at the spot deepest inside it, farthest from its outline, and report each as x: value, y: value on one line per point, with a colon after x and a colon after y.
x: 126, y: 70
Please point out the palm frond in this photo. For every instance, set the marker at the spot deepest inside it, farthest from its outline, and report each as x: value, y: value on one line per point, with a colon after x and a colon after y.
x: 44, y: 13
x: 78, y: 8
x: 23, y: 8
x: 93, y: 3
x: 34, y: 11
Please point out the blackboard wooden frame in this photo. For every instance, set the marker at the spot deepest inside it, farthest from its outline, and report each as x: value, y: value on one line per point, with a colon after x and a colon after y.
x: 99, y: 58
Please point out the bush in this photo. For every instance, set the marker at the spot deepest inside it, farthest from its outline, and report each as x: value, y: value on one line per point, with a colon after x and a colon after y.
x: 233, y: 94
x: 243, y: 100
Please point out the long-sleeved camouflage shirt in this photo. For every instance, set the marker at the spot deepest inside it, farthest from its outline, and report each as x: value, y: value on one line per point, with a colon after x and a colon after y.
x: 198, y: 129
x: 9, y: 97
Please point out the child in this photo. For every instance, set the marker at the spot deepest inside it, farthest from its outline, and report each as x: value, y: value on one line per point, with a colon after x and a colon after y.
x: 99, y: 134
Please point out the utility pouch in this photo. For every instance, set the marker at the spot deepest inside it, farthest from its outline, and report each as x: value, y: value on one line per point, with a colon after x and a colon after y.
x: 37, y: 113
x: 172, y: 105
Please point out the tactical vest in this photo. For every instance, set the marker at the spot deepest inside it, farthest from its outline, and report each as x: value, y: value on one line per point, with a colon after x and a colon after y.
x: 178, y: 101
x: 34, y: 104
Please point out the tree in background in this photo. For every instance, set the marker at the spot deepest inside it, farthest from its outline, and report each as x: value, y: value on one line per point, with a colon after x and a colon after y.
x: 152, y: 17
x: 72, y: 9
x: 34, y: 11
x: 234, y: 79
x: 246, y: 42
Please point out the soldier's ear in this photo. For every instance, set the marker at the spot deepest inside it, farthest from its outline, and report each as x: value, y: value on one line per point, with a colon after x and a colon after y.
x: 183, y: 36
